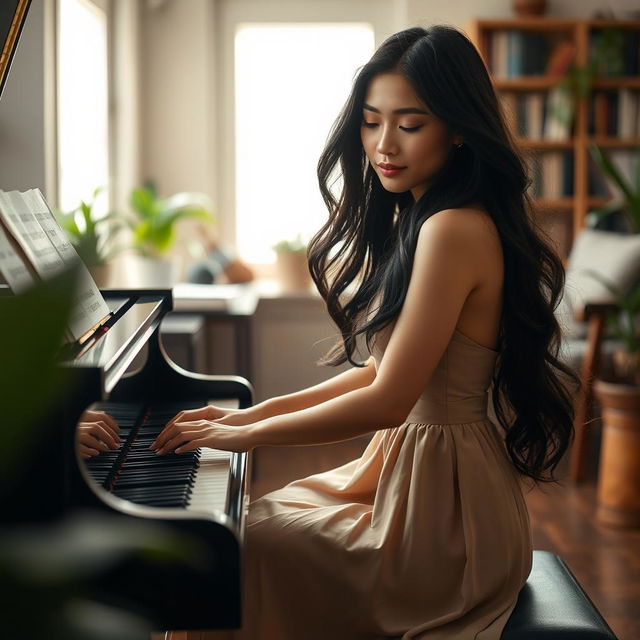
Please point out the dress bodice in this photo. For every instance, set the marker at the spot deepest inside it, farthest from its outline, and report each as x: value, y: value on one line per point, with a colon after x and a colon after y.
x: 457, y: 390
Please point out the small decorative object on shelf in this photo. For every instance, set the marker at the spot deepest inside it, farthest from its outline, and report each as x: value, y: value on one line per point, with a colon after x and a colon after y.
x: 524, y: 8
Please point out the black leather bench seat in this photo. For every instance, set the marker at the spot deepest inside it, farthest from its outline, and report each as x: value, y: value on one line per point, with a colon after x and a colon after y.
x: 553, y: 606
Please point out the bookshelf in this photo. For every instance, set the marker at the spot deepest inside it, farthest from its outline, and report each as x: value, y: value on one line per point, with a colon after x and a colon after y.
x: 527, y: 58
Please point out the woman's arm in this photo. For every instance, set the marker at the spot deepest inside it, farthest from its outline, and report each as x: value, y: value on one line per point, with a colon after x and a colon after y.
x: 354, y: 378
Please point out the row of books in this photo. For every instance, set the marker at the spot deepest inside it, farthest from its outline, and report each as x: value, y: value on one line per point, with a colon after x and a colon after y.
x: 551, y: 174
x: 535, y: 114
x: 615, y: 113
x: 512, y: 53
x: 34, y: 247
x: 626, y: 61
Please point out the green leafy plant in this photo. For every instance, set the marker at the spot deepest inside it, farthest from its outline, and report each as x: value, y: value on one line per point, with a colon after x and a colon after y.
x: 629, y: 204
x: 296, y: 245
x: 154, y: 218
x: 90, y: 235
x: 30, y: 345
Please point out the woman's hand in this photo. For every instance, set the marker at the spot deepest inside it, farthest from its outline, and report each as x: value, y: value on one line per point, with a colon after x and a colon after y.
x: 97, y: 431
x: 210, y: 412
x: 186, y: 436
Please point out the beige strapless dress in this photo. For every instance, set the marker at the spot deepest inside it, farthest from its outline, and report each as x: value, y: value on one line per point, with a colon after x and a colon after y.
x: 426, y: 535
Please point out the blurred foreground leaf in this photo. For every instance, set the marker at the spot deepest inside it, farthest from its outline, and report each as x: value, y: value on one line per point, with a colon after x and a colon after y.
x: 32, y: 327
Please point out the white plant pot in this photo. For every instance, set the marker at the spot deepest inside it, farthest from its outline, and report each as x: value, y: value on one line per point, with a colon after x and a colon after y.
x: 154, y: 273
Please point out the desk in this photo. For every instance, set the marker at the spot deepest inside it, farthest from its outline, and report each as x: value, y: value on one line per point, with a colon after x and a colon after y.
x: 223, y: 303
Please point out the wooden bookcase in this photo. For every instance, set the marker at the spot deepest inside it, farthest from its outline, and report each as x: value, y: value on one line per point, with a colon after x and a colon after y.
x: 562, y: 214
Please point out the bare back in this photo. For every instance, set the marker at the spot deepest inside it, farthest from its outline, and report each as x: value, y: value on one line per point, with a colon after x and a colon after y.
x: 480, y: 315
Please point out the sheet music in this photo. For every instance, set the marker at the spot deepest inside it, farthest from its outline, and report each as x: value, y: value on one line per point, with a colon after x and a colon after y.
x: 49, y: 251
x: 12, y: 268
x: 24, y: 227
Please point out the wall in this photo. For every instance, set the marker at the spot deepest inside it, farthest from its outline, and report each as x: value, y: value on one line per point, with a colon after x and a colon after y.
x: 177, y: 68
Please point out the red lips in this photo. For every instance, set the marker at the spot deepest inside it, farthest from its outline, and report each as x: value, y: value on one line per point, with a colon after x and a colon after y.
x: 389, y: 167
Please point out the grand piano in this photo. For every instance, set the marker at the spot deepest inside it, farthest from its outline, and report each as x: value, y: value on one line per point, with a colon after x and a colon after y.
x: 200, y: 497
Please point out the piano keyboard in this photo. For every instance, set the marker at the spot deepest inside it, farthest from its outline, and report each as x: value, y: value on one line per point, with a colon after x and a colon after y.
x: 197, y: 480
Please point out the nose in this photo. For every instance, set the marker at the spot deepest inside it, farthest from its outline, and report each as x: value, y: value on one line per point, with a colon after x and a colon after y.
x: 387, y: 145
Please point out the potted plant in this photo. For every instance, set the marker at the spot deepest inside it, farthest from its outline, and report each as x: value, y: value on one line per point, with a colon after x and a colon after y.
x: 152, y: 224
x: 624, y: 323
x: 91, y: 237
x: 619, y: 398
x: 619, y: 469
x: 292, y: 268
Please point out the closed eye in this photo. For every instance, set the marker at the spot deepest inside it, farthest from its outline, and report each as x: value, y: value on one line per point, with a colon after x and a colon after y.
x: 371, y: 125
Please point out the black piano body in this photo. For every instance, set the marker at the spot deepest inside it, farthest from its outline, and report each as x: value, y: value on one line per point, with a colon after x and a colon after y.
x: 203, y: 593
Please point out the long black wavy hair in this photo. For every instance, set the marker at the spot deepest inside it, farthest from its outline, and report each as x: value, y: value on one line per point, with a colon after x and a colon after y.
x: 366, y: 247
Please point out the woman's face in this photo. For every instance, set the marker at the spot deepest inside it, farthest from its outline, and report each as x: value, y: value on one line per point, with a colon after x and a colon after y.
x: 405, y: 143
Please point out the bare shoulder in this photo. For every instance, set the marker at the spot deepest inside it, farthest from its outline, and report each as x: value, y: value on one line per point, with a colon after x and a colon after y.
x: 469, y: 237
x: 467, y: 229
x: 464, y: 222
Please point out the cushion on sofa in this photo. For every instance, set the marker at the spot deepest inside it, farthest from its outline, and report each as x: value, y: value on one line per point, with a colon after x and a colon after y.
x: 614, y: 256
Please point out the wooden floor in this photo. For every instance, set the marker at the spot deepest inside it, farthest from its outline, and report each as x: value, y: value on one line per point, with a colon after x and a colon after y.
x: 604, y: 559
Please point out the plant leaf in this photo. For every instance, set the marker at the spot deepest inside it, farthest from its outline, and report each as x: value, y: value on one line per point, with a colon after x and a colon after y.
x: 603, y: 160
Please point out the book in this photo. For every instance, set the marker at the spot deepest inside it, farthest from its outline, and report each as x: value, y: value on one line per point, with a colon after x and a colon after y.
x: 34, y: 247
x: 227, y: 298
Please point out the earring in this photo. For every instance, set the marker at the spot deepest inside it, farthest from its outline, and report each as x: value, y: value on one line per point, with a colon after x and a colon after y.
x: 459, y: 145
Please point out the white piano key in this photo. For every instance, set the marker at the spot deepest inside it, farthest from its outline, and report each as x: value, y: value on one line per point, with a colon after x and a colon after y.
x: 212, y: 481
x: 210, y: 489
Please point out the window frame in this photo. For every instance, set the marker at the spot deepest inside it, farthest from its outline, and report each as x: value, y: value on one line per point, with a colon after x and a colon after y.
x: 232, y: 13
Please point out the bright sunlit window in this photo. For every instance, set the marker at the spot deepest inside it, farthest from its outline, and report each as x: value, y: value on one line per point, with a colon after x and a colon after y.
x: 290, y: 83
x: 83, y: 157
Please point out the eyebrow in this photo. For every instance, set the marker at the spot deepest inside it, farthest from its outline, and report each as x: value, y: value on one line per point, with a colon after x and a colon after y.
x: 368, y: 107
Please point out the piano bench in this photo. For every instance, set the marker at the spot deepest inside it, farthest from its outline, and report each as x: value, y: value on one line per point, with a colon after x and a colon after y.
x: 553, y: 606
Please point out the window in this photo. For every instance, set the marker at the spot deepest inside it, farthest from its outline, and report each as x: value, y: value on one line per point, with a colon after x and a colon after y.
x: 83, y: 132
x: 291, y: 80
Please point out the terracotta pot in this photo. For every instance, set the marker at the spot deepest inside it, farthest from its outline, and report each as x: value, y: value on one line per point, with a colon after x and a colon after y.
x: 293, y: 271
x: 627, y: 365
x: 529, y: 7
x: 619, y: 470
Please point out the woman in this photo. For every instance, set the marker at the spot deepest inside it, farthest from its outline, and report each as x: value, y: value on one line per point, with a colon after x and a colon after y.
x: 427, y: 534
